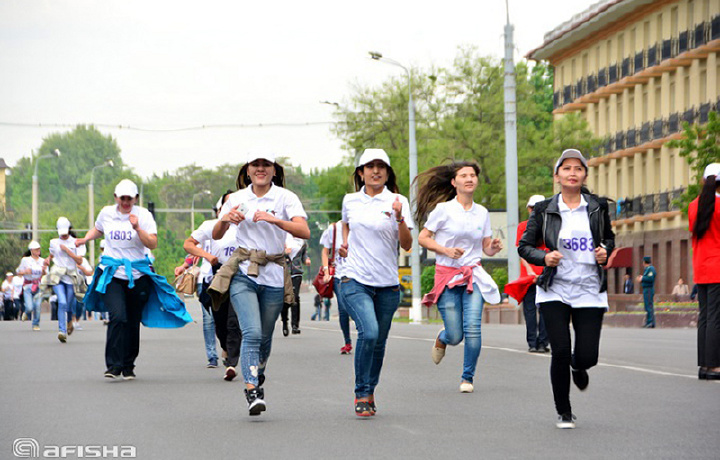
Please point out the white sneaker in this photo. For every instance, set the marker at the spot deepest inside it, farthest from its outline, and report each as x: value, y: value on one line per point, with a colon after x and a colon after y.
x: 62, y: 337
x: 466, y: 387
x: 437, y: 353
x: 566, y: 421
x: 78, y: 326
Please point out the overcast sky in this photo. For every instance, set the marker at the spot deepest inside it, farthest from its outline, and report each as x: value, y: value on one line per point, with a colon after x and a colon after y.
x: 177, y: 64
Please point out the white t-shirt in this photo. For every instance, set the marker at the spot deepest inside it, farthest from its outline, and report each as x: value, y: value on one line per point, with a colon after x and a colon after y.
x: 374, y: 236
x: 326, y: 240
x: 18, y: 283
x: 454, y: 227
x: 35, y: 265
x: 86, y: 265
x: 280, y: 202
x: 222, y: 248
x: 121, y: 241
x: 61, y: 259
x: 7, y: 288
x: 576, y: 282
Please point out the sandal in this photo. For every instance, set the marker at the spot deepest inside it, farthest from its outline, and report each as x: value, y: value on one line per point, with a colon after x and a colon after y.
x: 363, y: 408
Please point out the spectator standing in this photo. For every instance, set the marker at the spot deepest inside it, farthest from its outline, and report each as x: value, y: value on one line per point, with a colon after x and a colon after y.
x: 647, y: 280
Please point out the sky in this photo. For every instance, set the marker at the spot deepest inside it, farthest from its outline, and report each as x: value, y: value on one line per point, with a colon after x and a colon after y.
x: 163, y: 66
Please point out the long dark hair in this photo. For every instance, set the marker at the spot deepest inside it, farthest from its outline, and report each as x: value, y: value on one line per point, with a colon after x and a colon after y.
x: 243, y: 180
x: 391, y: 183
x: 706, y: 207
x: 435, y: 186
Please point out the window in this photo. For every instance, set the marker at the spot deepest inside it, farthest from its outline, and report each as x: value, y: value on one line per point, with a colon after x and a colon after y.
x: 620, y: 48
x: 690, y: 14
x: 646, y: 34
x: 674, y: 21
x: 631, y: 109
x: 703, y: 86
x: 658, y: 107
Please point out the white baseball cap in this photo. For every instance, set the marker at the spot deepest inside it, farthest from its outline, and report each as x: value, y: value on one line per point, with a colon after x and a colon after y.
x: 8, y: 274
x: 713, y: 169
x: 535, y: 199
x: 63, y: 226
x: 34, y: 245
x: 373, y: 154
x: 102, y: 244
x: 260, y: 156
x: 126, y: 187
x: 570, y: 153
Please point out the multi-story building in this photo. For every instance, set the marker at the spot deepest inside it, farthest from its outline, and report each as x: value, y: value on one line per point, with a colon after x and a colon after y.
x: 635, y: 70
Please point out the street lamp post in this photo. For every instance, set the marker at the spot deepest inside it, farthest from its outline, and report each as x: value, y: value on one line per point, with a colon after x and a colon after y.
x: 192, y: 208
x: 416, y: 311
x: 91, y: 204
x: 35, y: 232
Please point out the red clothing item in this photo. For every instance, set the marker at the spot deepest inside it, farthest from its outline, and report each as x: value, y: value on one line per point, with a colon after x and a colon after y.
x: 443, y: 275
x: 523, y: 271
x: 706, y: 251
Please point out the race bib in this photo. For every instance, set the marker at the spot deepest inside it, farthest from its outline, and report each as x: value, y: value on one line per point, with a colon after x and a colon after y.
x: 121, y: 234
x: 577, y: 246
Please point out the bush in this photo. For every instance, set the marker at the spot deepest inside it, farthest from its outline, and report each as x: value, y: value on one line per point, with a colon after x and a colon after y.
x: 500, y: 275
x: 427, y: 279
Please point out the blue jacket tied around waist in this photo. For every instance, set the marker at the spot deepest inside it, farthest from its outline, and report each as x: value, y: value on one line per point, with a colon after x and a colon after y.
x: 163, y: 309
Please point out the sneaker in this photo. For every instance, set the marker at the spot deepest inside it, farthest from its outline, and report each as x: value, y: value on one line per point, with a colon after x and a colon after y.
x: 105, y: 322
x: 295, y: 330
x: 111, y: 373
x: 566, y: 421
x: 438, y: 353
x: 212, y: 363
x: 62, y: 337
x: 543, y: 349
x: 580, y: 378
x: 466, y: 387
x: 24, y: 317
x: 36, y: 328
x: 230, y: 373
x: 78, y: 326
x: 261, y: 380
x: 285, y: 329
x: 346, y: 350
x: 128, y: 374
x: 373, y: 407
x: 70, y: 328
x: 255, y: 401
x: 532, y: 350
x: 363, y: 408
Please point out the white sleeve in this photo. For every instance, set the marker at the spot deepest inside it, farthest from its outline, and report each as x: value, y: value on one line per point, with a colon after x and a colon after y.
x: 203, y: 233
x: 325, y: 240
x: 487, y: 227
x: 99, y: 222
x: 54, y: 247
x: 345, y: 211
x: 407, y: 215
x: 146, y: 221
x: 435, y: 219
x: 81, y: 250
x: 22, y: 265
x: 293, y: 206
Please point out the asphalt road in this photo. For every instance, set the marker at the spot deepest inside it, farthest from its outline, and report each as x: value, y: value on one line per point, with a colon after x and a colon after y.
x: 644, y: 399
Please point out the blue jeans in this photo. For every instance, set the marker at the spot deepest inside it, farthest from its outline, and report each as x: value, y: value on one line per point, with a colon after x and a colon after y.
x: 258, y: 308
x: 372, y: 309
x: 342, y: 312
x: 66, y: 304
x: 209, y: 334
x: 648, y: 294
x: 462, y: 314
x: 32, y: 304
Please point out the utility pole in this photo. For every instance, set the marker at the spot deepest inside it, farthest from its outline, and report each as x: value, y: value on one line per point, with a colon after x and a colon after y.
x: 511, y: 163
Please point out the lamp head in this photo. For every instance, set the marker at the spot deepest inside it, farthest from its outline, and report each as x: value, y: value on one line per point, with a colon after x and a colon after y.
x: 110, y: 163
x: 375, y: 55
x: 56, y: 152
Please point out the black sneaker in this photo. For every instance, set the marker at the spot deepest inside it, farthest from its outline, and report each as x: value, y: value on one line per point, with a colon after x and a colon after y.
x: 261, y: 380
x: 111, y: 373
x: 580, y: 378
x: 285, y: 329
x: 128, y: 374
x: 566, y: 421
x: 255, y: 401
x: 295, y: 330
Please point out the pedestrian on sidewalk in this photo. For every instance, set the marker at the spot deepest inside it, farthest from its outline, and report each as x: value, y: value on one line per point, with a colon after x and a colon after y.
x: 296, y: 252
x: 647, y: 281
x: 575, y: 227
x: 458, y: 231
x: 262, y: 212
x: 375, y: 219
x: 32, y: 267
x: 704, y: 216
x: 330, y: 241
x: 317, y: 303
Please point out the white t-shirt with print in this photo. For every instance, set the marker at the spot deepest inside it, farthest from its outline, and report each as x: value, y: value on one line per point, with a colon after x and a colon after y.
x: 373, y: 240
x: 121, y: 240
x: 35, y: 265
x: 222, y: 248
x: 61, y: 259
x: 576, y: 282
x: 326, y: 240
x: 280, y: 202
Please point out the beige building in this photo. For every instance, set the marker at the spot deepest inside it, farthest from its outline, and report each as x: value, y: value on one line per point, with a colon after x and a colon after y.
x: 635, y: 70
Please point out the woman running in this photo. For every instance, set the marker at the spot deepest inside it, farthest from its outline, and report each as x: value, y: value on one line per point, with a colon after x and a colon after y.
x: 65, y: 255
x: 124, y: 284
x: 375, y: 219
x: 32, y: 268
x: 458, y: 230
x: 704, y: 216
x: 330, y: 241
x: 261, y: 213
x: 575, y: 227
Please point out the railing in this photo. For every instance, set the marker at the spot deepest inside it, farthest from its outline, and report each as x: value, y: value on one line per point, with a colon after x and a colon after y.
x: 646, y: 204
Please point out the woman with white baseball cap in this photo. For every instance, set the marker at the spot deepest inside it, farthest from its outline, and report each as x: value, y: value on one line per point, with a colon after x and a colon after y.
x: 260, y: 214
x: 124, y: 283
x: 32, y: 267
x: 704, y: 217
x: 458, y: 230
x: 65, y: 255
x: 375, y: 219
x: 575, y: 227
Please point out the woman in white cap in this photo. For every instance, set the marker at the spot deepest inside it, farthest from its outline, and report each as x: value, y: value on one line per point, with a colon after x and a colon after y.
x: 32, y: 268
x: 458, y: 231
x: 575, y: 227
x: 375, y: 219
x: 261, y: 213
x: 123, y: 283
x: 704, y: 216
x: 65, y: 255
x: 330, y: 241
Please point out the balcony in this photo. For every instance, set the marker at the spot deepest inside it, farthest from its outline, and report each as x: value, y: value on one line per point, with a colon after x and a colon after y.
x: 689, y: 116
x: 645, y: 132
x: 683, y: 44
x: 646, y: 205
x: 620, y: 140
x: 640, y: 61
x: 612, y: 74
x: 592, y: 83
x: 631, y: 138
x: 626, y: 68
x: 657, y: 129
x: 602, y: 78
x: 704, y: 111
x: 673, y: 123
x: 652, y: 56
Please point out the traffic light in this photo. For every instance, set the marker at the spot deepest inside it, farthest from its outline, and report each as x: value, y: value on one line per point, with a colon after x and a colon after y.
x: 27, y: 235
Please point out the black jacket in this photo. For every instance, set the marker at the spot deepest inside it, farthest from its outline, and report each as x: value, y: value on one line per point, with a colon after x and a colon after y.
x: 544, y: 226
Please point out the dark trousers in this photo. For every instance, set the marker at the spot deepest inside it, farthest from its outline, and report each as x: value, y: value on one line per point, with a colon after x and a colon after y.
x: 709, y: 325
x: 227, y: 329
x: 587, y: 323
x: 648, y: 295
x: 125, y: 307
x: 293, y: 307
x: 536, y: 334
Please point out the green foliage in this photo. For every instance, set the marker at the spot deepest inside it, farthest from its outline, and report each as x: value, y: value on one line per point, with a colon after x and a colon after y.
x: 427, y: 279
x: 500, y: 275
x: 11, y: 251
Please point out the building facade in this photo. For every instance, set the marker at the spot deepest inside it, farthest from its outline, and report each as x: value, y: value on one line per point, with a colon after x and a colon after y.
x: 635, y: 70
